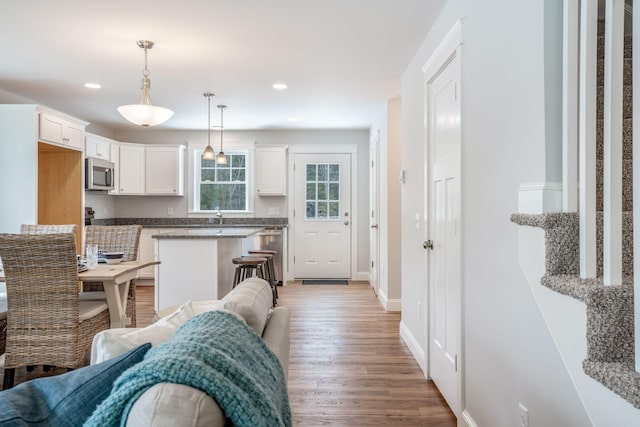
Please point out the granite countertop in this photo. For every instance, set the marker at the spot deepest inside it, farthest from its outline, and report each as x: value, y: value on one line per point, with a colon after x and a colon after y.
x: 196, y: 222
x: 209, y: 233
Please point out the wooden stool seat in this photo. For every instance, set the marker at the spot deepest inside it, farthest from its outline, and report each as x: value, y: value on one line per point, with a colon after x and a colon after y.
x: 249, y: 260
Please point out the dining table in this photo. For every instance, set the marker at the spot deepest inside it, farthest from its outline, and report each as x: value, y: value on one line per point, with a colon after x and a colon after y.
x: 116, y: 279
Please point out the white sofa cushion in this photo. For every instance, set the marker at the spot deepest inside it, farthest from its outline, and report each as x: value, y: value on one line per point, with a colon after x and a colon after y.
x: 252, y: 299
x: 168, y: 405
x: 108, y: 343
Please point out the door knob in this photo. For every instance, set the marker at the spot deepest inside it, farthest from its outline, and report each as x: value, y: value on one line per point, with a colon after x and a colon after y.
x: 346, y: 223
x: 428, y: 244
x: 374, y: 226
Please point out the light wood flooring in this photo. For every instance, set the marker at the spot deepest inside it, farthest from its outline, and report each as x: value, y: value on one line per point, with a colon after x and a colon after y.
x: 348, y: 365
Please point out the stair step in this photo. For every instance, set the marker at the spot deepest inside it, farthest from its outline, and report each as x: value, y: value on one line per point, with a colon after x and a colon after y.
x: 621, y: 378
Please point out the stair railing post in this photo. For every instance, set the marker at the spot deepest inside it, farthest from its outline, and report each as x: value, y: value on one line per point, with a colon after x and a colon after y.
x: 570, y: 100
x: 587, y: 137
x: 612, y: 182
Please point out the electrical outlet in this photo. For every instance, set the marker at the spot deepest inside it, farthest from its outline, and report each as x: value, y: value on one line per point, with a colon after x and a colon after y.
x: 273, y: 211
x: 524, y: 416
x: 170, y: 211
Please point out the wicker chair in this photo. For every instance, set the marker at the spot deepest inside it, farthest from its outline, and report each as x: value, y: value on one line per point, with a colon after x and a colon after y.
x: 47, y: 324
x: 110, y: 238
x: 28, y: 229
x: 47, y: 228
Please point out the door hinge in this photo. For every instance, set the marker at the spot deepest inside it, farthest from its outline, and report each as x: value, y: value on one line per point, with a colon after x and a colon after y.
x: 372, y: 163
x: 294, y: 259
x: 455, y: 91
x: 371, y: 264
x: 371, y: 214
x: 456, y: 363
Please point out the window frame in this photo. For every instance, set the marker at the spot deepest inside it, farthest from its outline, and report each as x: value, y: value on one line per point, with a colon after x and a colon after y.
x: 195, y: 154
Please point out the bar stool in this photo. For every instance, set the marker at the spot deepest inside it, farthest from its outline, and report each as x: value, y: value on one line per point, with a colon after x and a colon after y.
x: 271, y: 272
x: 246, y: 266
x: 270, y: 255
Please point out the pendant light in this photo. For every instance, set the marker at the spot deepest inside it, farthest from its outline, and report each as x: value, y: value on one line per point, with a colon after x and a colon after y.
x: 208, y: 153
x: 221, y: 159
x: 145, y: 114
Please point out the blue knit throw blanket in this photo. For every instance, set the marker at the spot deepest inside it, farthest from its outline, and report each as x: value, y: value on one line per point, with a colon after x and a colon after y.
x: 214, y: 352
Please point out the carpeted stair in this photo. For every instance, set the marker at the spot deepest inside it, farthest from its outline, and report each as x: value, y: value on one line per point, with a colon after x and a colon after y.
x: 610, y: 326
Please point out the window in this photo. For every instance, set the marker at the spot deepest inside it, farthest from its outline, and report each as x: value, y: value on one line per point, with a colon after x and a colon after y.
x: 323, y: 191
x: 222, y: 186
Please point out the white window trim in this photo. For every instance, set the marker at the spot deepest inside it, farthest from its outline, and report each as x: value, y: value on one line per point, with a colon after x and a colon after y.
x: 191, y: 181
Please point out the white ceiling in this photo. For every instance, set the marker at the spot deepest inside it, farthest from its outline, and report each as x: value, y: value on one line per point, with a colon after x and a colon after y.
x: 342, y: 59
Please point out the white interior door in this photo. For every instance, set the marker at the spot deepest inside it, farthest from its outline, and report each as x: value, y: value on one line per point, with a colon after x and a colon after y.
x: 322, y: 216
x: 444, y: 258
x: 374, y: 201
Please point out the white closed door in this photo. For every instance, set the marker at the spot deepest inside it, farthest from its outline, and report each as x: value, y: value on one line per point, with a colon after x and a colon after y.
x: 322, y: 216
x: 443, y: 237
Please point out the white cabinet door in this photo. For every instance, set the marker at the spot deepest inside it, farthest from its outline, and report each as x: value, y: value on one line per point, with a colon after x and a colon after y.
x: 146, y: 252
x: 114, y: 155
x: 131, y: 165
x: 98, y: 147
x: 165, y: 170
x: 61, y: 131
x: 271, y: 171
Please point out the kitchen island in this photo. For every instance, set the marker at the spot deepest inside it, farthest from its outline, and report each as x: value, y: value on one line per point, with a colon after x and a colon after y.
x: 195, y: 263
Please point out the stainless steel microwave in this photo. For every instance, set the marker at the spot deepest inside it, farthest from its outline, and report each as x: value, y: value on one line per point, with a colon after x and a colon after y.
x: 98, y: 174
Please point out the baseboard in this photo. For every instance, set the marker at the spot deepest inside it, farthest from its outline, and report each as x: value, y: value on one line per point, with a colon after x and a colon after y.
x: 415, y: 349
x: 468, y: 421
x: 363, y: 276
x: 394, y: 305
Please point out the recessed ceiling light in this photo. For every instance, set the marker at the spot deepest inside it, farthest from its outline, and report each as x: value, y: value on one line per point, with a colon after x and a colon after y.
x: 293, y: 119
x: 92, y: 85
x: 280, y: 86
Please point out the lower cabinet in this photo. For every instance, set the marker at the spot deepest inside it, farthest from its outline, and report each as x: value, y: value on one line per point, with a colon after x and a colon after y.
x: 146, y: 252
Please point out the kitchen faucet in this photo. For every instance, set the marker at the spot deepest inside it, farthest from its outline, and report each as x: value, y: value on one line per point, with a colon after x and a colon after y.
x: 219, y: 214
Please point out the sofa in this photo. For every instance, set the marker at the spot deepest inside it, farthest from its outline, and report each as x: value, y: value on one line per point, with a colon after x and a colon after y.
x: 168, y: 403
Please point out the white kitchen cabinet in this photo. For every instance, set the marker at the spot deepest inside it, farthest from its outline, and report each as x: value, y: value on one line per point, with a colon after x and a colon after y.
x: 131, y: 169
x: 164, y: 170
x: 146, y: 252
x: 98, y: 147
x: 60, y: 130
x: 271, y: 170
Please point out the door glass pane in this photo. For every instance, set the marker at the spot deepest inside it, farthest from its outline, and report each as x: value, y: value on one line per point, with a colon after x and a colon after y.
x: 334, y: 173
x: 334, y: 210
x: 322, y: 209
x: 334, y: 191
x: 322, y: 191
x: 311, y: 172
x: 311, y: 209
x: 311, y: 191
x: 323, y: 173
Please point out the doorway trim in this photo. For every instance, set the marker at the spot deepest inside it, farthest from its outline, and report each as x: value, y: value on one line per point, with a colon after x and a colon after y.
x: 351, y: 149
x: 374, y: 214
x: 449, y: 48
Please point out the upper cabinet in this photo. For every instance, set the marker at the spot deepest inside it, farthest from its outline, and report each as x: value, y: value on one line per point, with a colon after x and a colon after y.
x: 57, y: 129
x: 271, y: 170
x: 131, y: 169
x: 165, y: 170
x: 98, y: 147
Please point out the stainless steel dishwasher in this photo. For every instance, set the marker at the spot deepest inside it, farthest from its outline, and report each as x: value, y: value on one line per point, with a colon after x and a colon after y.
x: 269, y: 238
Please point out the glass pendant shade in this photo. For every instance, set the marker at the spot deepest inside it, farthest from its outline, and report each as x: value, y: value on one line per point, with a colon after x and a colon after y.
x: 145, y: 114
x: 221, y: 159
x: 208, y: 153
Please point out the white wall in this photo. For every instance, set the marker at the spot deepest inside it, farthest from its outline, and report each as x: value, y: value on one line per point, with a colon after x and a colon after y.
x: 509, y: 354
x: 156, y: 207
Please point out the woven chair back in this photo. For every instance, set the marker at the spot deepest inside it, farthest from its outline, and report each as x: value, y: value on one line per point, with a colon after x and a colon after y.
x: 112, y: 238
